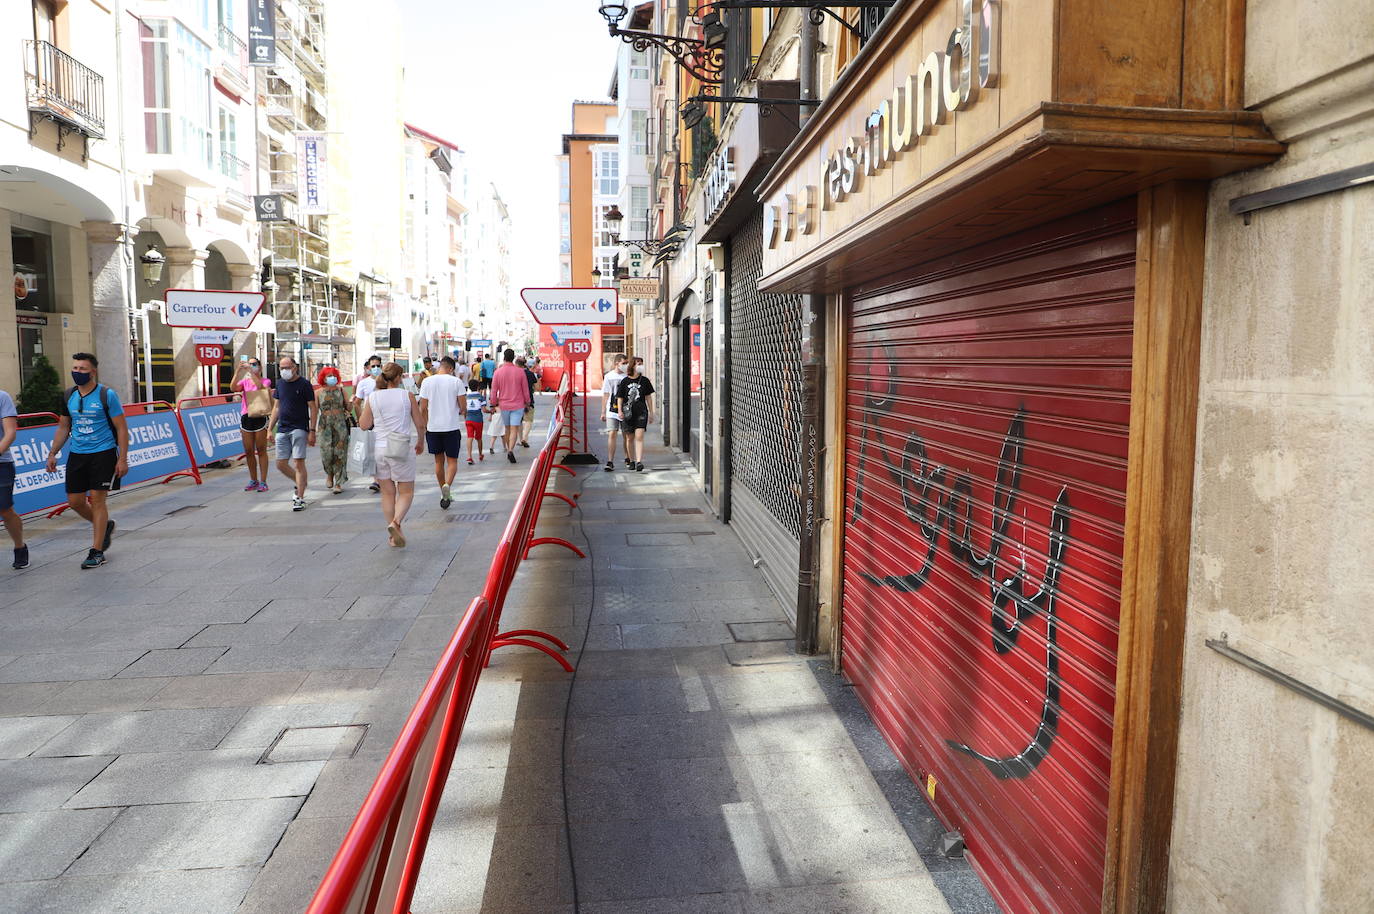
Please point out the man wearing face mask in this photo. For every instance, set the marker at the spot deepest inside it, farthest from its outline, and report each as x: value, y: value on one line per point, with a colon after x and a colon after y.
x: 293, y: 416
x: 93, y: 418
x: 361, y: 390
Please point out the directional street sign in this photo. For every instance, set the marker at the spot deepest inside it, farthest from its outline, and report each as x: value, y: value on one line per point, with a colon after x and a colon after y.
x: 211, y: 308
x: 572, y: 332
x: 573, y: 306
x: 220, y: 337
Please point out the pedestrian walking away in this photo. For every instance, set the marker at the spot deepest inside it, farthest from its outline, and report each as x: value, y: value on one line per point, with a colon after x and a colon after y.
x: 14, y: 524
x: 614, y: 428
x: 527, y: 420
x: 253, y: 415
x: 476, y: 410
x: 634, y: 403
x: 488, y: 367
x: 464, y: 371
x: 393, y: 413
x: 93, y: 418
x: 331, y: 430
x: 443, y: 400
x: 510, y: 394
x: 294, y: 414
x: 365, y: 385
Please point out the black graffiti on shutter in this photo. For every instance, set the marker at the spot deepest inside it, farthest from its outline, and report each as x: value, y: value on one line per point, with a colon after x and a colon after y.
x: 934, y: 504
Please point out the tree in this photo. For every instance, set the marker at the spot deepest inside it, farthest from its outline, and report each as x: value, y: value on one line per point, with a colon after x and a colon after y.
x: 41, y: 393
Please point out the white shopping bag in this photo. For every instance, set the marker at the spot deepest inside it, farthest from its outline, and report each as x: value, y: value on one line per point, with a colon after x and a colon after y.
x: 361, y: 460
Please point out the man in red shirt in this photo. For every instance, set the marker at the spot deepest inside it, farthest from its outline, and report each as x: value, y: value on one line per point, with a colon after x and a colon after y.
x: 510, y: 394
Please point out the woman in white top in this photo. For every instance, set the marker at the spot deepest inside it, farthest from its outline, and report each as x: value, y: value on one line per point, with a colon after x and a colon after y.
x: 398, y: 428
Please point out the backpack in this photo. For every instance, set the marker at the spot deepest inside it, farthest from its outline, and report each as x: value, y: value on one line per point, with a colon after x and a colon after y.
x: 104, y: 404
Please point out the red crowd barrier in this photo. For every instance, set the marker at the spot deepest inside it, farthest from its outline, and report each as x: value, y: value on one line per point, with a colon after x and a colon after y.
x: 378, y: 864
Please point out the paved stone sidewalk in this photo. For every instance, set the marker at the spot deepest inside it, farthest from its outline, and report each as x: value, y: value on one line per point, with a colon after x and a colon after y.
x: 193, y: 726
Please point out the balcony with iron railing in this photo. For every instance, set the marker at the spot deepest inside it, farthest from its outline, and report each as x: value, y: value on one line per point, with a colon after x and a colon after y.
x: 239, y: 188
x: 63, y: 90
x: 232, y: 70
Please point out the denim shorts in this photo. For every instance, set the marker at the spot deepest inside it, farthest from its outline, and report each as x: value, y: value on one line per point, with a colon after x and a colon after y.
x: 511, y: 417
x: 291, y: 444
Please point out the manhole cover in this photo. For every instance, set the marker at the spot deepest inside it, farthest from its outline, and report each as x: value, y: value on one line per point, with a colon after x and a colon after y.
x: 314, y: 744
x: 184, y: 508
x: 684, y: 510
x: 467, y: 518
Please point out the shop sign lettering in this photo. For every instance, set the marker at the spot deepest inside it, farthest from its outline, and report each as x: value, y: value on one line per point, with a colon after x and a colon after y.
x: 944, y: 82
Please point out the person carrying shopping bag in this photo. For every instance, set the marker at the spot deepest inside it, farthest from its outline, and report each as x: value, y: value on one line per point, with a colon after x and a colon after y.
x: 392, y: 413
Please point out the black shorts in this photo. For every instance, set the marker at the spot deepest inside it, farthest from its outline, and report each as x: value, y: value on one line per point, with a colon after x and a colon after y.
x: 634, y: 421
x: 6, y: 485
x: 249, y: 423
x: 92, y: 472
x: 450, y: 444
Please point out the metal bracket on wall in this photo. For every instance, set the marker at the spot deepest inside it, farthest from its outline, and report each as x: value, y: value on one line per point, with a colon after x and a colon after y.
x: 1301, y: 190
x: 1329, y: 701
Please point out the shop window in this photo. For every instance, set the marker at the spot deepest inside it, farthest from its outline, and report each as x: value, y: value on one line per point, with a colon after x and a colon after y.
x: 32, y: 271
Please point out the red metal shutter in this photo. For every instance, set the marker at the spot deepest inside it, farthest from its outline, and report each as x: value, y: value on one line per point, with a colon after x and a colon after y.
x: 985, y: 473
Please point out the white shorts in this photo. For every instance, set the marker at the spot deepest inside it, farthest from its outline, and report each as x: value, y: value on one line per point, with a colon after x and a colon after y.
x: 397, y: 469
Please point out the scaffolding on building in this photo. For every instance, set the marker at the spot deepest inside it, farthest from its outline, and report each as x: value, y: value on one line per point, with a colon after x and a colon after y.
x: 315, y: 320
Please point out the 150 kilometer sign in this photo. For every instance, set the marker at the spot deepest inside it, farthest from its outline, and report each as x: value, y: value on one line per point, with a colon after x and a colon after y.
x: 573, y: 306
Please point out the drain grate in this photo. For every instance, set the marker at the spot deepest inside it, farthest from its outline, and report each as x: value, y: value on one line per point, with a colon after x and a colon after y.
x: 684, y: 511
x: 467, y: 518
x: 184, y: 508
x: 313, y: 744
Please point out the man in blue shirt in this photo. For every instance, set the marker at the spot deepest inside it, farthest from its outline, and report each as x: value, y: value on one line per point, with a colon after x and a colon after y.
x: 93, y: 418
x: 293, y: 416
x: 9, y: 430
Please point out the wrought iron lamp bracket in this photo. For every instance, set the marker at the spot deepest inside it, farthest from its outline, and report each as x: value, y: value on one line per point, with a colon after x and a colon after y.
x: 691, y: 54
x: 816, y: 12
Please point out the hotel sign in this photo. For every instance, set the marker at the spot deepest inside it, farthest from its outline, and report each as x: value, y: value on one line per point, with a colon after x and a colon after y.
x: 946, y: 80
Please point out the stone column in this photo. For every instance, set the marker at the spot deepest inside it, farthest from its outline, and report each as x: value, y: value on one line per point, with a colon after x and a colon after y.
x: 110, y: 333
x: 242, y: 278
x: 185, y: 270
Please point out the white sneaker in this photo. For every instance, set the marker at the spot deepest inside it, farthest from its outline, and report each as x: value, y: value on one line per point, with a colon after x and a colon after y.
x: 297, y: 503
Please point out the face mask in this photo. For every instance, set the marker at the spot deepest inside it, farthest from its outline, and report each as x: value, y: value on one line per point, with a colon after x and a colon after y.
x: 82, y: 378
x: 331, y: 380
x: 376, y: 372
x: 287, y: 374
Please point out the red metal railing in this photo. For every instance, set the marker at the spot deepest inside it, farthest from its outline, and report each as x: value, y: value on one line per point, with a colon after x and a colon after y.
x: 378, y: 865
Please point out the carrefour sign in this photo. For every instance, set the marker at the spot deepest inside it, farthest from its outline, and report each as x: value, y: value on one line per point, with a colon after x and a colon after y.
x: 573, y: 306
x: 211, y: 308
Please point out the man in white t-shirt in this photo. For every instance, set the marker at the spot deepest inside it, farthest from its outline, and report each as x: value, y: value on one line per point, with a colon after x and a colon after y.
x: 464, y: 371
x: 442, y: 403
x: 613, y: 427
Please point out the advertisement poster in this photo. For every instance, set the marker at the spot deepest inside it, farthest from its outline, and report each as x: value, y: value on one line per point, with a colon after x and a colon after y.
x: 156, y: 449
x: 312, y: 157
x: 213, y: 431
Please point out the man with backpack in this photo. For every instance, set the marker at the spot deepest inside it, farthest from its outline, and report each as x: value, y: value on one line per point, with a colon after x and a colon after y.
x: 93, y: 418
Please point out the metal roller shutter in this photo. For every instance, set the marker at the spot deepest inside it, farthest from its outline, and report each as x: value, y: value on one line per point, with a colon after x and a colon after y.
x: 765, y: 415
x: 985, y: 472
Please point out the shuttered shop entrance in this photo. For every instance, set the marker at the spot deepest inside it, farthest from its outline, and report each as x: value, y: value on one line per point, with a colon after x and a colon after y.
x: 988, y: 404
x: 765, y: 415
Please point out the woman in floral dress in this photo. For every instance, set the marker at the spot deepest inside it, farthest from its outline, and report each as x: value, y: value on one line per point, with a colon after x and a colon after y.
x: 332, y: 432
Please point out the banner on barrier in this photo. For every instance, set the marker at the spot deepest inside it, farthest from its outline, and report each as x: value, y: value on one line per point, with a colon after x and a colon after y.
x: 156, y: 449
x: 213, y: 431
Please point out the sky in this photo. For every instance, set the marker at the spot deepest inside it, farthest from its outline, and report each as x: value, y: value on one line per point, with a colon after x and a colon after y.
x: 498, y: 79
